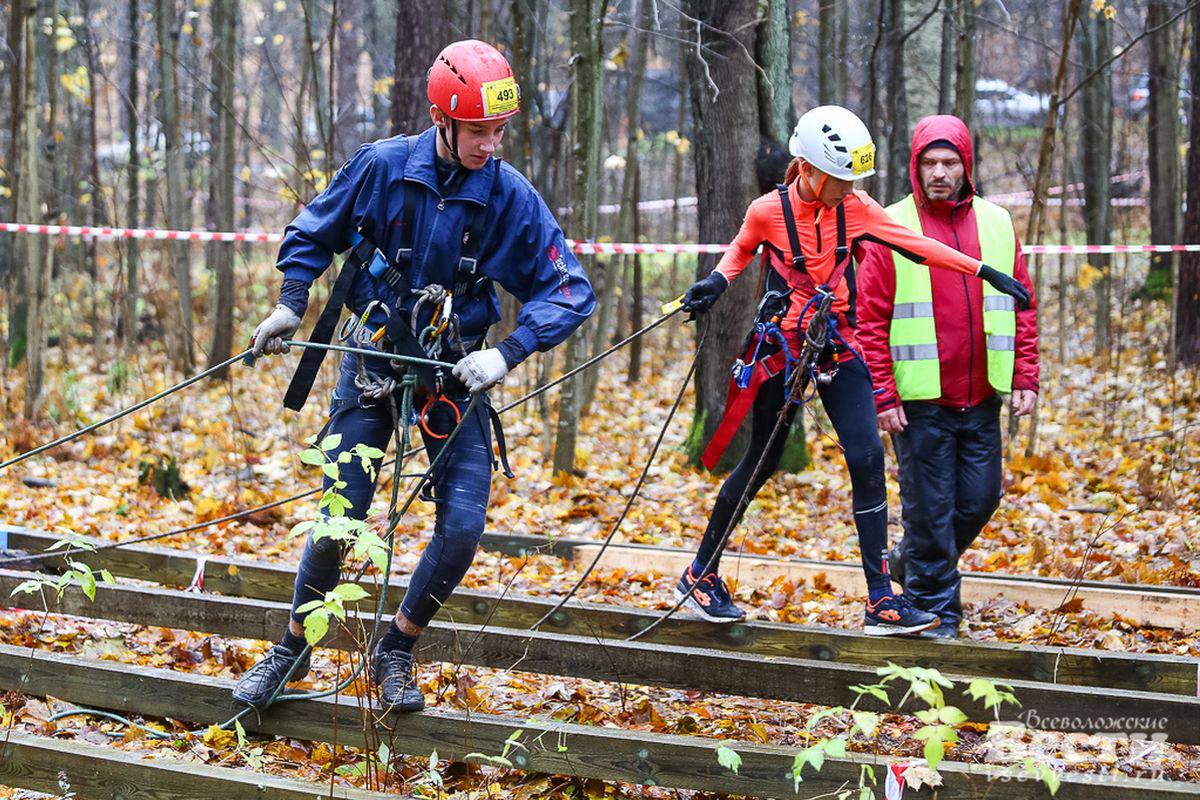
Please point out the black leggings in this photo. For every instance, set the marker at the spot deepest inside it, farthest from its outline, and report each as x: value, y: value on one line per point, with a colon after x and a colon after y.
x: 850, y: 403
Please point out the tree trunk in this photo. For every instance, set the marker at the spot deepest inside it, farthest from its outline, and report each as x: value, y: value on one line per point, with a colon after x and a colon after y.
x: 608, y: 272
x: 895, y: 185
x: 723, y: 95
x: 775, y: 89
x: 1163, y: 140
x: 631, y: 181
x: 19, y: 77
x: 1041, y: 182
x: 1187, y: 289
x: 946, y: 61
x: 96, y: 212
x: 168, y: 41
x: 922, y: 58
x: 350, y: 44
x: 1096, y: 126
x: 587, y: 107
x: 826, y: 56
x: 841, y: 53
x: 41, y: 259
x: 225, y: 15
x: 677, y: 181
x: 519, y: 147
x: 129, y: 316
x: 964, y: 60
x: 420, y: 36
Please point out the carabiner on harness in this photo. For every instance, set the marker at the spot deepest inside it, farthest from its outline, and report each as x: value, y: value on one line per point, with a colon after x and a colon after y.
x: 354, y: 330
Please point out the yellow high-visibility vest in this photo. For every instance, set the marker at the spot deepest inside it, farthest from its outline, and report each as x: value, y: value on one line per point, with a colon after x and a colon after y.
x: 913, y: 336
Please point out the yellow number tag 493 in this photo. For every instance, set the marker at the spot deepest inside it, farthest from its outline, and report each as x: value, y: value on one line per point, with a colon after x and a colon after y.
x: 500, y: 97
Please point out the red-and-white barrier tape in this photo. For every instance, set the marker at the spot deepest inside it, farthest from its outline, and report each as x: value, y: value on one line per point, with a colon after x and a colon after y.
x: 141, y: 233
x: 582, y: 248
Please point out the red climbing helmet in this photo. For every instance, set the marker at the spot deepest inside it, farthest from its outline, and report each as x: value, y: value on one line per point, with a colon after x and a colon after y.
x: 470, y: 81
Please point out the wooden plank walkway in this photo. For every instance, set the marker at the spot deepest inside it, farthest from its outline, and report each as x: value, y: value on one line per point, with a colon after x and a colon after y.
x: 653, y: 664
x: 92, y: 771
x: 1076, y: 666
x: 549, y: 747
x: 1162, y: 606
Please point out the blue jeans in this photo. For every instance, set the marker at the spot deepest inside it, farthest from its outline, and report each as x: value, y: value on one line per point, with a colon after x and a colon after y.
x: 462, y: 488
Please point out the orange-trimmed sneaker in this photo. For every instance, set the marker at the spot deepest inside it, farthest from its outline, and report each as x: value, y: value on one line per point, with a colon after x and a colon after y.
x: 895, y: 614
x: 710, y: 599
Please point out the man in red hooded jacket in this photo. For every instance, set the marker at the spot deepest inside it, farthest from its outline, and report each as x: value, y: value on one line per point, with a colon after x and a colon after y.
x: 942, y: 348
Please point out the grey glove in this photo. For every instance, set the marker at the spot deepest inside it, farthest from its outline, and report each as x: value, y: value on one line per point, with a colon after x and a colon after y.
x: 282, y: 323
x: 482, y: 369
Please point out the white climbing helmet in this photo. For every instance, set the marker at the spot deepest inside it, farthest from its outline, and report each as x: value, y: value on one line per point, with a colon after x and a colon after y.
x: 834, y: 140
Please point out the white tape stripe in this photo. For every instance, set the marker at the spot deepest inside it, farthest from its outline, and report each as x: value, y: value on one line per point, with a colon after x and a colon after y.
x: 582, y: 248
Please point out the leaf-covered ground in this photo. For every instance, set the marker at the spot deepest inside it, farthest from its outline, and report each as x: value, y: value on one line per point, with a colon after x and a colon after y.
x: 1110, y: 493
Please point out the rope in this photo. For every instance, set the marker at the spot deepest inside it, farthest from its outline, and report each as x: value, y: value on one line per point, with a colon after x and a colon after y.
x: 310, y: 492
x: 638, y: 486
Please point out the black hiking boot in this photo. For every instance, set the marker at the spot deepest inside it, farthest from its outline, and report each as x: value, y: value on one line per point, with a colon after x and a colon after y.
x: 394, y: 674
x: 255, y: 688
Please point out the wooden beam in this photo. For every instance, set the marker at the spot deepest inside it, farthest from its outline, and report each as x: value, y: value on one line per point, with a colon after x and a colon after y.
x: 1169, y: 607
x: 57, y: 766
x: 548, y: 746
x: 653, y: 664
x: 1075, y: 666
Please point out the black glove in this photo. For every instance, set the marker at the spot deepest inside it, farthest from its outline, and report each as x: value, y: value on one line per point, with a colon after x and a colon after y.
x: 704, y: 293
x: 1008, y: 285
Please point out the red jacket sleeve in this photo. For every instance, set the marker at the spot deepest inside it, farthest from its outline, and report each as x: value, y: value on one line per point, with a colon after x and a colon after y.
x: 1025, y: 366
x: 876, y: 301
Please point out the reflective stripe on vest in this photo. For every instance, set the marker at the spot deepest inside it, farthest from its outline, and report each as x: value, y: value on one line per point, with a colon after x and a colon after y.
x: 913, y: 336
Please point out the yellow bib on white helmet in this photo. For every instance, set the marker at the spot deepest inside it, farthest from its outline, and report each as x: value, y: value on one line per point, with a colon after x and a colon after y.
x: 834, y: 140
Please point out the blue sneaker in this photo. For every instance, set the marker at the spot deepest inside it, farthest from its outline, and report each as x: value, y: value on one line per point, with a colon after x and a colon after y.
x: 895, y: 614
x: 710, y: 599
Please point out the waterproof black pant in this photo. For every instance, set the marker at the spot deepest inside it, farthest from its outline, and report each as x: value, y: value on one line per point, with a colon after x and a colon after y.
x: 950, y: 468
x: 850, y: 403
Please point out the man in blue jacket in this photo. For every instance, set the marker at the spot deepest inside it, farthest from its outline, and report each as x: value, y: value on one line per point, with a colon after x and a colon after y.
x: 427, y: 214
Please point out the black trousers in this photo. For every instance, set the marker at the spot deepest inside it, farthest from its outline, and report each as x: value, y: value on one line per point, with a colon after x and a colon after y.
x: 950, y: 469
x: 850, y: 404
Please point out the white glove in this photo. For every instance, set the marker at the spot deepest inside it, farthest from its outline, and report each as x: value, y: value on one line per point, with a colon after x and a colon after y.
x: 481, y: 370
x: 270, y: 333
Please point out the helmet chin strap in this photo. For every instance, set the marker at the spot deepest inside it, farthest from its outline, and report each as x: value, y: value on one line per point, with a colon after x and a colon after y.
x: 452, y: 142
x: 816, y: 193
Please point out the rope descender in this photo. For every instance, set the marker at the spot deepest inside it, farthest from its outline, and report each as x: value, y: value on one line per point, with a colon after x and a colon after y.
x: 434, y: 400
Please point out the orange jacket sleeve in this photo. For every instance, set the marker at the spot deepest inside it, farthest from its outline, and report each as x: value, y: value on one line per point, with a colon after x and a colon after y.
x: 883, y: 229
x: 744, y: 246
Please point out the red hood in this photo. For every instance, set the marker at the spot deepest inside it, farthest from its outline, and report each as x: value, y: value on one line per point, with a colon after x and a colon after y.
x: 953, y: 130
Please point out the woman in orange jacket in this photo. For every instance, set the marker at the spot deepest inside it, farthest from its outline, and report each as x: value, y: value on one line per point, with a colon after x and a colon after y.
x: 810, y: 228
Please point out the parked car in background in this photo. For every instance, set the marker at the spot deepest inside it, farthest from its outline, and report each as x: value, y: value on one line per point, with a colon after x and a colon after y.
x: 999, y: 104
x: 1139, y: 96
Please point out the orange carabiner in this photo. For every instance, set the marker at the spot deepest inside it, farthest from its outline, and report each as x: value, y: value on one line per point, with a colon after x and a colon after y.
x: 423, y: 417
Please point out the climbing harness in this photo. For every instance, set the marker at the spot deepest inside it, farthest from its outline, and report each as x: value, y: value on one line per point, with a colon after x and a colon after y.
x: 754, y: 369
x: 403, y: 331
